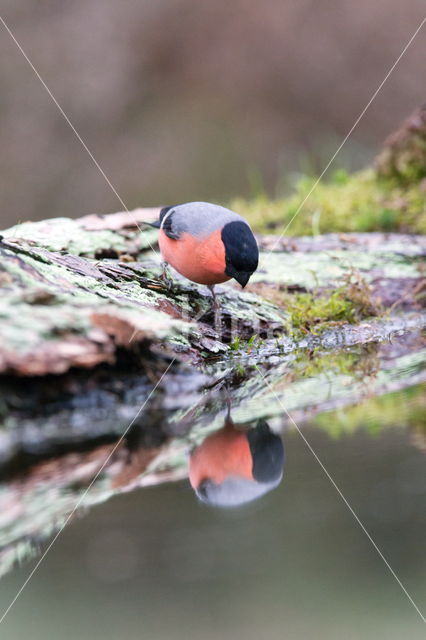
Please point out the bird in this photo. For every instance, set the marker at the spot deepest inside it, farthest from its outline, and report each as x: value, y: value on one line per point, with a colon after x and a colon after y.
x: 234, y: 465
x: 206, y: 243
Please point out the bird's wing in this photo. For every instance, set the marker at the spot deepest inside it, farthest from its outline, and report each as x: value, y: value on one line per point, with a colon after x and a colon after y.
x: 169, y: 227
x: 200, y: 219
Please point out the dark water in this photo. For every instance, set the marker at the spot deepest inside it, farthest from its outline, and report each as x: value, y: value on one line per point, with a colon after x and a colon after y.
x: 157, y: 563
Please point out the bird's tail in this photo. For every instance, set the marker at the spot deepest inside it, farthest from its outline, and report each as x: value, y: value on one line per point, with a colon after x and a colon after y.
x: 155, y: 224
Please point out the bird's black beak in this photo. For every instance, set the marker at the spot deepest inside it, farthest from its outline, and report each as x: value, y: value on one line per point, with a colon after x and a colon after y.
x: 242, y: 277
x: 202, y: 490
x: 263, y: 426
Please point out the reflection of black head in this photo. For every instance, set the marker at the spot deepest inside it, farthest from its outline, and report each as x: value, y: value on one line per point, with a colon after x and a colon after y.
x: 267, y: 451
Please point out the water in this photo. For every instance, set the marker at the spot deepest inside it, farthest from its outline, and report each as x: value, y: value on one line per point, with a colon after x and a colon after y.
x: 150, y: 560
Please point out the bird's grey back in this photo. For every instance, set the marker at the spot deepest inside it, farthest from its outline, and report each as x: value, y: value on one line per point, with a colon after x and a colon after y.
x: 199, y: 218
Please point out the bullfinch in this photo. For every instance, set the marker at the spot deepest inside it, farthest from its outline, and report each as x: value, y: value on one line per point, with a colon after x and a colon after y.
x: 207, y: 244
x: 234, y: 466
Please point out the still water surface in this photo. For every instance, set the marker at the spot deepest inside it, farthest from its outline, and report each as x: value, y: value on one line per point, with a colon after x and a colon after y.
x: 157, y: 563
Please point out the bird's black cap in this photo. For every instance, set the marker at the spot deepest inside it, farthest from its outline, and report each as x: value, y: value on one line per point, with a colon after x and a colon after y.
x: 241, y: 251
x: 267, y: 451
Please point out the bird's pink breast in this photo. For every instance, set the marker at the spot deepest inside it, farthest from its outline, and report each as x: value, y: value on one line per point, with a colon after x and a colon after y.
x: 201, y: 260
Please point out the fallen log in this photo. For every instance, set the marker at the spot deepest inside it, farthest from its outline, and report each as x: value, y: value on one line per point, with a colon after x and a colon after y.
x: 61, y: 310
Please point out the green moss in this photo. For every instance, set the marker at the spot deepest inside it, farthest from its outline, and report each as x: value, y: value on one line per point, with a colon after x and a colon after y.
x: 403, y: 157
x: 406, y: 408
x: 358, y: 202
x: 308, y: 311
x: 316, y: 311
x: 240, y: 347
x: 235, y: 345
x: 331, y: 364
x: 360, y: 363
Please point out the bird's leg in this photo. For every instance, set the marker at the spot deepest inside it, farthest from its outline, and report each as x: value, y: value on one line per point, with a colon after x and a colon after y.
x: 215, y: 306
x: 165, y: 276
x: 215, y: 303
x: 228, y: 419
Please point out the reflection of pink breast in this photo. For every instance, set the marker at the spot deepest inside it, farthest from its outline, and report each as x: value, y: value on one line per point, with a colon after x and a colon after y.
x: 201, y: 260
x: 223, y: 454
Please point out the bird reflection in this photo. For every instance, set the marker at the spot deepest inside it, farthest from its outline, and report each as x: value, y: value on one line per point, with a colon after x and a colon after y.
x: 236, y: 464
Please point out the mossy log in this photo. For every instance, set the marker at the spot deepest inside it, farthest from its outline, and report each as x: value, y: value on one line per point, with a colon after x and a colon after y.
x: 61, y: 310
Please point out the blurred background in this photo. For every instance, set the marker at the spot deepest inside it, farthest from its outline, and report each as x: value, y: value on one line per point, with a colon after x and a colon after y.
x: 181, y: 100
